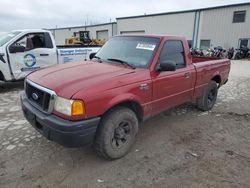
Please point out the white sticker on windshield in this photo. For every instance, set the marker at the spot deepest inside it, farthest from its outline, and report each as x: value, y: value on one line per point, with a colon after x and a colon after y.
x: 145, y: 46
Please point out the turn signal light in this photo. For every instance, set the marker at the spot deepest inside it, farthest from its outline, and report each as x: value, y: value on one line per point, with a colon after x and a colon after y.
x: 77, y: 108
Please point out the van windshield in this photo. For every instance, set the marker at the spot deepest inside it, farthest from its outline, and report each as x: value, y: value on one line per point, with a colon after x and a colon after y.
x: 136, y: 51
x: 4, y: 38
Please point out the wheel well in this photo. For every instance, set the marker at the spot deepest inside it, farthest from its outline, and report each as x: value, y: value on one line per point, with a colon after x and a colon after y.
x: 217, y: 79
x: 2, y: 76
x: 136, y: 107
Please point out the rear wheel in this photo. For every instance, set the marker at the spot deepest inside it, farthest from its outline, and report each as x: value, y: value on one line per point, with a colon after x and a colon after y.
x: 116, y: 133
x: 207, y: 101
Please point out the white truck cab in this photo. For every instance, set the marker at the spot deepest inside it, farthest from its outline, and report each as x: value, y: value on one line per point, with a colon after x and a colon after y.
x: 23, y: 51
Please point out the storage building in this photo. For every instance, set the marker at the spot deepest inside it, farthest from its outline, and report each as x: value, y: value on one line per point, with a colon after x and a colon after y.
x: 226, y: 26
x: 99, y: 31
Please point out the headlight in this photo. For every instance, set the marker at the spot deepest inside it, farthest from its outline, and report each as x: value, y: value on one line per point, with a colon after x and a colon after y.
x: 69, y: 107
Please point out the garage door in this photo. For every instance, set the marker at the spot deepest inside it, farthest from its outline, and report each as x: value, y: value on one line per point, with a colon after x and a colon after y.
x: 132, y: 32
x: 103, y: 35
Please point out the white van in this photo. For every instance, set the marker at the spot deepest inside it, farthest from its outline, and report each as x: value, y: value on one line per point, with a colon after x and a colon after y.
x: 24, y: 51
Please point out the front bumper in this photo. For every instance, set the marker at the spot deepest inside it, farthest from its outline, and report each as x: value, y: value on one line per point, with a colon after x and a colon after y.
x: 64, y: 132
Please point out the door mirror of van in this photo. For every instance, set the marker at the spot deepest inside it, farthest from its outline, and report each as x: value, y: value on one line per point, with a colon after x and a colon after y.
x: 92, y: 55
x: 167, y: 66
x: 16, y: 48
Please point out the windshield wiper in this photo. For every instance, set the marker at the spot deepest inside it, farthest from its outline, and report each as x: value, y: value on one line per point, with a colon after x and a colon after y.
x: 122, y: 62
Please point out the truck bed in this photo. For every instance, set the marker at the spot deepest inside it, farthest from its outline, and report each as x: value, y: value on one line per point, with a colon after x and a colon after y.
x: 207, y: 68
x: 196, y: 59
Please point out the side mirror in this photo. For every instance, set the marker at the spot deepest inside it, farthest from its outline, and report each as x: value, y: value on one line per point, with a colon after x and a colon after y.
x: 16, y: 48
x: 92, y: 55
x: 167, y: 66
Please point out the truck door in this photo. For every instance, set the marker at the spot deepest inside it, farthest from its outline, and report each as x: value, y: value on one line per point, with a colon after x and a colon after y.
x: 171, y: 88
x: 31, y: 52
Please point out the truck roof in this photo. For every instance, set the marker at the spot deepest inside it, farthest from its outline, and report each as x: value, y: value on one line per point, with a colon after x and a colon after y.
x: 32, y: 30
x: 154, y: 36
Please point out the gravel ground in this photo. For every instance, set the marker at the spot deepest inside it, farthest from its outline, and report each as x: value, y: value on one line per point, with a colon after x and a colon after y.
x: 183, y: 147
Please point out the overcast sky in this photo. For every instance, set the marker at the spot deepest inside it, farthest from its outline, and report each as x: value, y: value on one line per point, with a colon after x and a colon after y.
x: 22, y: 14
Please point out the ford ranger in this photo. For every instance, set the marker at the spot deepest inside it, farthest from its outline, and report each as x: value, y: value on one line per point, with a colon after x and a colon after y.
x: 130, y: 79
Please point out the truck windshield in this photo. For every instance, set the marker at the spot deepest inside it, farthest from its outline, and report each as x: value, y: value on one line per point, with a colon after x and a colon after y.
x: 137, y: 51
x: 4, y: 38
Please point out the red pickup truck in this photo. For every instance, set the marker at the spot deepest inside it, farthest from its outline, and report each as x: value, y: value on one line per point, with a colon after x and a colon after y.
x: 131, y: 78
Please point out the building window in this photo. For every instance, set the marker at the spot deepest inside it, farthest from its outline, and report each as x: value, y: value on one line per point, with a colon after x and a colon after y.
x: 244, y: 43
x: 205, y: 44
x: 190, y: 43
x: 239, y: 16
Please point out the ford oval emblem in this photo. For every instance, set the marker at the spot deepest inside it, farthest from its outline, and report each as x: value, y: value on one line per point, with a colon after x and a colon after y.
x: 35, y: 96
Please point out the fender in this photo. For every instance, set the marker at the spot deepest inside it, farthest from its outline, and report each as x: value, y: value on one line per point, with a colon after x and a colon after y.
x: 8, y: 60
x: 125, y: 97
x: 4, y: 68
x: 1, y: 57
x: 217, y: 73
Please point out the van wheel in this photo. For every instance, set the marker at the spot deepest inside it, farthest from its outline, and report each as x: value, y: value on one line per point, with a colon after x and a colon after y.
x: 116, y: 133
x: 207, y: 101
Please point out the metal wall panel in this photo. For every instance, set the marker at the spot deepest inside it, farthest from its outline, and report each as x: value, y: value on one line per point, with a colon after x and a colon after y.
x: 61, y: 34
x: 217, y: 25
x: 181, y: 24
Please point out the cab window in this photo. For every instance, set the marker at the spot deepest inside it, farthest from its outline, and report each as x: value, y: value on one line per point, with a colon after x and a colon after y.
x: 34, y: 41
x: 173, y: 51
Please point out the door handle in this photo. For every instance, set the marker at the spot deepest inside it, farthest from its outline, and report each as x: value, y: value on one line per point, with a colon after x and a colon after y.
x: 187, y: 75
x: 44, y: 54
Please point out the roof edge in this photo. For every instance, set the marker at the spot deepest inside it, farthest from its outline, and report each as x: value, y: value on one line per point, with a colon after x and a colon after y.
x: 75, y: 27
x: 184, y: 11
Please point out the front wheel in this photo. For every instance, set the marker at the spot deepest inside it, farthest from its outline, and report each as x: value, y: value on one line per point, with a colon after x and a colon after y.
x: 116, y: 133
x: 207, y: 101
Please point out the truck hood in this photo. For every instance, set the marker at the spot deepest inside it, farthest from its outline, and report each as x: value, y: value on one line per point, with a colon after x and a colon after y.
x: 67, y: 79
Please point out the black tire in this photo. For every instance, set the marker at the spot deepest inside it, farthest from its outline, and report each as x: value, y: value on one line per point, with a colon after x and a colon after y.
x: 207, y: 101
x: 237, y: 56
x: 116, y: 133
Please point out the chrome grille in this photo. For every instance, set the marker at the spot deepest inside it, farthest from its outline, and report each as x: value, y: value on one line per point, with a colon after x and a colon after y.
x: 39, y: 96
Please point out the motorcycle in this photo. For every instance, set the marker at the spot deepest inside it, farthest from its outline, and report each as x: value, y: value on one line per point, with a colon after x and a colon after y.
x: 230, y: 53
x: 242, y: 53
x: 219, y: 52
x: 210, y: 52
x: 196, y: 52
